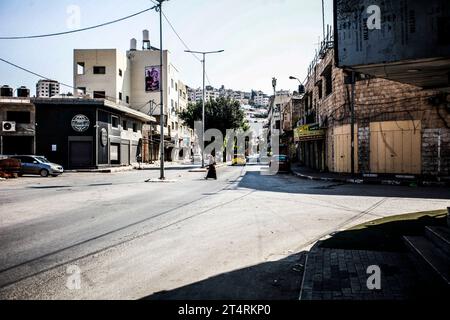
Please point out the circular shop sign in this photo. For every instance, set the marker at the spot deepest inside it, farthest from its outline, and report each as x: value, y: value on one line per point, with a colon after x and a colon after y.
x: 80, y: 123
x: 104, y: 137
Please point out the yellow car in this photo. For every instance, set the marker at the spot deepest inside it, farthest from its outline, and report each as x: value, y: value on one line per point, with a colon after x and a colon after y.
x: 239, y: 160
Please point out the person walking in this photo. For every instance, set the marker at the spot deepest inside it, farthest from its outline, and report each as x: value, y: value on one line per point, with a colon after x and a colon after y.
x: 212, y: 173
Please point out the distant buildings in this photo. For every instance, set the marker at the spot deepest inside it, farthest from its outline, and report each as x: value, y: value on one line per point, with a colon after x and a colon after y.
x: 257, y: 98
x: 47, y: 88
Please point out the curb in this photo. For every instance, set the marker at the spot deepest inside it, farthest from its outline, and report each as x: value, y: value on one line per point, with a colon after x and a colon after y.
x: 390, y: 182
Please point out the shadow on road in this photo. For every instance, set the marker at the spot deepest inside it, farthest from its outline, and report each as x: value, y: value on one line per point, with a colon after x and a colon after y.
x: 286, y: 183
x: 277, y: 280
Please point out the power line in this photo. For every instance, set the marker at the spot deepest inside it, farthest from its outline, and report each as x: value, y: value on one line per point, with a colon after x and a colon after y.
x: 77, y: 30
x: 47, y: 78
x: 182, y: 41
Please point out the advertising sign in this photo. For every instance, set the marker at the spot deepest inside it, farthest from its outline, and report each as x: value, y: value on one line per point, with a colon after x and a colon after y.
x: 309, y: 133
x: 152, y: 79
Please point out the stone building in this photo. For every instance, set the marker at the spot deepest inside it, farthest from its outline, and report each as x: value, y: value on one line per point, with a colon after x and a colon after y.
x: 399, y: 128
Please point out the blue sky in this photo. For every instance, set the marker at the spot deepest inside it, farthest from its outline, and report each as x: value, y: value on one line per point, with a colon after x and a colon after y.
x: 261, y: 38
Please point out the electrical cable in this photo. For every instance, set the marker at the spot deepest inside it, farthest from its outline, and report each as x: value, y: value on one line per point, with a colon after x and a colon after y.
x: 77, y: 30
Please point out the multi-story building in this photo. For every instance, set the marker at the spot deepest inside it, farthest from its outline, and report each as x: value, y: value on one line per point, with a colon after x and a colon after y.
x: 47, y: 88
x: 278, y: 104
x: 132, y: 79
x: 398, y: 128
x: 261, y: 99
x: 18, y: 123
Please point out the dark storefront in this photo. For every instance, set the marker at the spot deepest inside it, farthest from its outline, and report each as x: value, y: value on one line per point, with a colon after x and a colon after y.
x: 310, y: 140
x: 88, y: 133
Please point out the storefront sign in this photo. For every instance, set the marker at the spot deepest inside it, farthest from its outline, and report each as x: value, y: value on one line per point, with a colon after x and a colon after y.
x: 80, y: 123
x: 104, y: 137
x: 309, y: 132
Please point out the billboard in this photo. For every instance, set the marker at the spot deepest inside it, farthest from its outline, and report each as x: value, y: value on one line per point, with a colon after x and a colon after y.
x: 152, y: 79
x: 383, y: 31
x: 403, y: 40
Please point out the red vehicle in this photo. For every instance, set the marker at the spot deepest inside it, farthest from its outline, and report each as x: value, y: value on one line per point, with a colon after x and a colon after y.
x: 281, y: 161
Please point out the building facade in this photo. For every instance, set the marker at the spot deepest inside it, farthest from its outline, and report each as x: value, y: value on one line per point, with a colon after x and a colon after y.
x: 89, y: 133
x: 126, y: 79
x: 398, y: 128
x: 18, y: 126
x: 47, y: 88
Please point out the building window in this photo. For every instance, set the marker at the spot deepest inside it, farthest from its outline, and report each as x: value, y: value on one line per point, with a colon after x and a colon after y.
x: 19, y: 116
x: 80, y: 68
x: 82, y: 89
x: 328, y: 75
x: 114, y: 122
x: 135, y: 127
x: 120, y: 72
x: 99, y: 70
x: 171, y: 83
x: 120, y: 96
x: 124, y: 125
x: 127, y: 99
x: 99, y: 94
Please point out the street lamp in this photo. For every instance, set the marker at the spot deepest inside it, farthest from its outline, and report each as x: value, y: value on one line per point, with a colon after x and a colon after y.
x: 301, y: 87
x: 204, y: 53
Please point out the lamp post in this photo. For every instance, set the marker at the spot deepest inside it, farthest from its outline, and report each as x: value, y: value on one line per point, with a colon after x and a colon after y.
x: 301, y: 88
x: 204, y: 53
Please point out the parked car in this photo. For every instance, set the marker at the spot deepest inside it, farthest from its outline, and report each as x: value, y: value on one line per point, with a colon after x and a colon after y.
x: 239, y: 160
x: 263, y: 159
x: 39, y: 166
x: 283, y: 162
x: 253, y: 159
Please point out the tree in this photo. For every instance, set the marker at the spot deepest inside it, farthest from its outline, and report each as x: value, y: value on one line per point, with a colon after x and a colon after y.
x: 220, y: 114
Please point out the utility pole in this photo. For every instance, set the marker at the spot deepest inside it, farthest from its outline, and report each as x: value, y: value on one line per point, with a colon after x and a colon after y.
x: 353, y: 123
x: 162, y: 118
x: 204, y: 53
x: 323, y: 19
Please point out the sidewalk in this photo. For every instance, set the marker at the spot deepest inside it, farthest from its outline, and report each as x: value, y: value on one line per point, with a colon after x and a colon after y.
x: 155, y: 166
x: 405, y: 180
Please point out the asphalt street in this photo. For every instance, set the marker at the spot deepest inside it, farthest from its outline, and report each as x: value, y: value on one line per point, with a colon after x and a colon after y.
x: 240, y: 237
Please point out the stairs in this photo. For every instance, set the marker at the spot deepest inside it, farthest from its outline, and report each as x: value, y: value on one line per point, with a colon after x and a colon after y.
x: 434, y: 250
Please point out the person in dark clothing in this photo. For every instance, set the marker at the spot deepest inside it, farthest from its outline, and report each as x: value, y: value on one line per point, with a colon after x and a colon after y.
x: 212, y: 173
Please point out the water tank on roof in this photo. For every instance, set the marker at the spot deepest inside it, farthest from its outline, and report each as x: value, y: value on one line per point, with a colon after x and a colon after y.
x: 23, y: 92
x: 146, y: 40
x: 6, y: 91
x: 133, y: 44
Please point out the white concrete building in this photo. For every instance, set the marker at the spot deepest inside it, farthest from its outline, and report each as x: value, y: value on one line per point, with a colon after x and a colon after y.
x: 123, y: 78
x: 47, y: 88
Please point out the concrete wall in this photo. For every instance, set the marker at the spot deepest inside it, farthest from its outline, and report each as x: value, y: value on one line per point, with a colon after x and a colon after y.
x: 98, y: 82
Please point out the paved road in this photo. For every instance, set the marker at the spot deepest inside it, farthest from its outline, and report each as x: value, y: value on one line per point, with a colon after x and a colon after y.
x: 239, y: 237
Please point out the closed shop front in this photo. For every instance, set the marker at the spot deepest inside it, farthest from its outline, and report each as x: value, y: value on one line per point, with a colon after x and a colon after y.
x: 395, y: 147
x: 342, y: 148
x: 125, y: 153
x: 80, y: 154
x: 86, y: 133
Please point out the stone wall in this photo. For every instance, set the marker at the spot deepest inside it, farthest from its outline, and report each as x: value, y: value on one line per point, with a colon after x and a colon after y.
x: 381, y: 100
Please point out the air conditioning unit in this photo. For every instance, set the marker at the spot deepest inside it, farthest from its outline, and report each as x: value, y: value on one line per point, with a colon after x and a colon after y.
x: 8, y: 126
